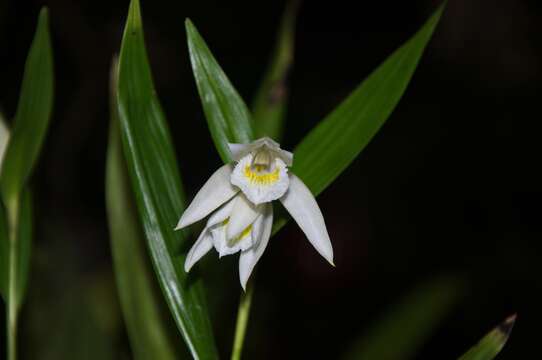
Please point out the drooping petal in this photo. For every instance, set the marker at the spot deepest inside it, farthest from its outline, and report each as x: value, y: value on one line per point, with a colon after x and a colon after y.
x: 200, y: 248
x: 242, y: 215
x: 264, y: 185
x: 216, y: 191
x: 301, y: 204
x: 261, y: 233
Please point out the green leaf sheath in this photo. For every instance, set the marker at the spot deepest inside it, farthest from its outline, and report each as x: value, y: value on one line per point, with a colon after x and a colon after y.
x: 156, y: 184
x: 227, y: 114
x: 140, y: 307
x: 269, y: 107
x: 491, y: 344
x: 33, y: 113
x: 408, y: 324
x: 336, y: 141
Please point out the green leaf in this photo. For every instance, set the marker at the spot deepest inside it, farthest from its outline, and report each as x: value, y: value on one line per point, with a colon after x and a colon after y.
x: 140, y: 307
x: 23, y: 244
x: 226, y: 112
x: 492, y: 343
x: 155, y: 180
x: 269, y: 107
x: 338, y: 139
x: 409, y: 323
x: 33, y: 113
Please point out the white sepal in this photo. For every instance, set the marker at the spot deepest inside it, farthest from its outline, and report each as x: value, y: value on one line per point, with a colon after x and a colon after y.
x: 261, y: 234
x: 242, y: 215
x: 216, y: 191
x: 200, y: 248
x: 301, y: 204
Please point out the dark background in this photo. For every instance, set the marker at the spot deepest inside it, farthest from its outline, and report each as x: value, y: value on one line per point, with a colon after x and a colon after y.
x: 450, y: 186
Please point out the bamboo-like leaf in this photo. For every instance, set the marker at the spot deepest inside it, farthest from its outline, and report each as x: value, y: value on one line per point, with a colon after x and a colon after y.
x: 140, y: 307
x: 491, y: 344
x: 155, y: 180
x: 227, y: 115
x: 269, y: 106
x: 26, y: 138
x: 33, y: 113
x: 336, y: 141
x: 408, y: 324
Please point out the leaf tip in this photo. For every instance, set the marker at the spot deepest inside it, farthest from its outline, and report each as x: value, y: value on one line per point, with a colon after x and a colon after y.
x: 505, y: 328
x: 134, y: 16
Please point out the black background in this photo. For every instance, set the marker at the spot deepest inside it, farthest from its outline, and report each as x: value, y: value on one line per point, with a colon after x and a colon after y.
x: 450, y: 186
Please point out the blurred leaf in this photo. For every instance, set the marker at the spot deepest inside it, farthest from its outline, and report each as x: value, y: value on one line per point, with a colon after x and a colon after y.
x: 336, y: 141
x: 492, y: 343
x: 23, y: 244
x: 33, y: 114
x: 408, y: 324
x: 269, y: 106
x: 226, y: 112
x: 140, y: 307
x: 155, y: 180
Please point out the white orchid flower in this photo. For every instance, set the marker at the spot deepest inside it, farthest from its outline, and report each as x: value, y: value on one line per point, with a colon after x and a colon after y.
x: 238, y: 199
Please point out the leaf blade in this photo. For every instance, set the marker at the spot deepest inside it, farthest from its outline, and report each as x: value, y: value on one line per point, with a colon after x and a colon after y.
x: 146, y: 331
x: 227, y: 114
x: 33, y: 113
x: 491, y: 344
x: 155, y: 179
x: 336, y: 141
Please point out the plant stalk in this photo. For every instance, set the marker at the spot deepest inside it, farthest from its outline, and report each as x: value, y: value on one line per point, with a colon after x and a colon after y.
x: 242, y: 320
x: 11, y: 309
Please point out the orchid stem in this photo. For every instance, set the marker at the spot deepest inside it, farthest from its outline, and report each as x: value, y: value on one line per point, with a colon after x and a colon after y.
x: 242, y: 320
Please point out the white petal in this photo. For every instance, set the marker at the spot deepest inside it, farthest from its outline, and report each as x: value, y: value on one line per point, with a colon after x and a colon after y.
x: 200, y: 248
x: 301, y: 204
x: 264, y: 186
x: 239, y: 150
x: 242, y: 215
x: 225, y: 247
x: 216, y: 191
x: 261, y: 234
x: 221, y: 214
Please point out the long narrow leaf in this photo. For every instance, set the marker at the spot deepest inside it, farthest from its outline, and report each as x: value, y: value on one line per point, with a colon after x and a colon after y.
x: 157, y: 187
x: 491, y: 344
x: 407, y: 325
x: 33, y: 113
x: 227, y: 115
x: 140, y: 307
x: 269, y: 106
x: 336, y: 141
